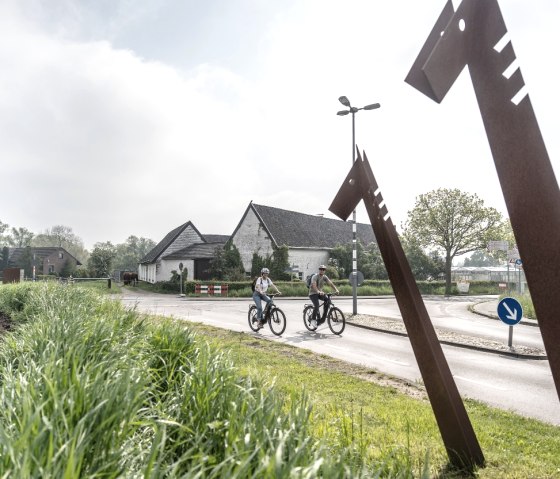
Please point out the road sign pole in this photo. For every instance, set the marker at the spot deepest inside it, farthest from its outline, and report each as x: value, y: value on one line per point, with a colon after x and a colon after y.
x: 510, y: 312
x: 508, y: 277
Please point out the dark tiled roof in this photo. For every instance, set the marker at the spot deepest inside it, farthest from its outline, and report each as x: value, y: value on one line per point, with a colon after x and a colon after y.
x: 164, y: 243
x: 15, y: 254
x: 299, y: 230
x: 216, y: 238
x: 196, y: 251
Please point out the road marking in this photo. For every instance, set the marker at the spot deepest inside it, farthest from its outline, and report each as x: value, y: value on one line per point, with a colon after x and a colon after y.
x: 480, y: 383
x: 400, y: 363
x: 345, y: 349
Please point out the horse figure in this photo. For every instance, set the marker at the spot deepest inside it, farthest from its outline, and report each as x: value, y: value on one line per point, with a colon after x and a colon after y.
x: 455, y: 427
x: 473, y: 36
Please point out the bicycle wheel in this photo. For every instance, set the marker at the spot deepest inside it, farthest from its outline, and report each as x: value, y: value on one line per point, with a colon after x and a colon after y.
x: 277, y: 321
x: 307, y: 317
x: 252, y: 317
x: 336, y: 320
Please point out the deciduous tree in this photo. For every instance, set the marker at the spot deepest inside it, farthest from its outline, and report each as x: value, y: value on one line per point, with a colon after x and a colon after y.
x: 227, y: 264
x: 129, y: 253
x: 424, y: 266
x: 62, y: 237
x: 453, y: 222
x: 100, y: 262
x: 3, y: 238
x: 21, y: 237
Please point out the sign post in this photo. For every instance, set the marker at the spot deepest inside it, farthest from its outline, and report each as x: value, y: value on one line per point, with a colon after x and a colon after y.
x: 510, y: 312
x: 181, y: 280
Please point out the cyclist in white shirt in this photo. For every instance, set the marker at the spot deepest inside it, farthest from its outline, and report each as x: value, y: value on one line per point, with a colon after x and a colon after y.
x: 262, y: 284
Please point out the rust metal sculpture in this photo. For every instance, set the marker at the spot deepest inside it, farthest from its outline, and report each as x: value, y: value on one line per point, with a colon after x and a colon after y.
x: 456, y: 430
x: 468, y: 37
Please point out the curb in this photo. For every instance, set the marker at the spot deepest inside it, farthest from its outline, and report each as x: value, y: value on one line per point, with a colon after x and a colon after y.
x: 458, y: 345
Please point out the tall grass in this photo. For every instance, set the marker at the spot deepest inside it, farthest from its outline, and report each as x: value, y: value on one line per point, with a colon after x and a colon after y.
x: 90, y: 389
x: 526, y: 303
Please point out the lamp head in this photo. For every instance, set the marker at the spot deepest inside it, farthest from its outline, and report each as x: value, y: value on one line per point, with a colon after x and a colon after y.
x: 373, y: 106
x: 342, y: 112
x: 345, y: 101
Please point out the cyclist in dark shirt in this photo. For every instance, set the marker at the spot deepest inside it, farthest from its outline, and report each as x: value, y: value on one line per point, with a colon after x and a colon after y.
x: 316, y: 291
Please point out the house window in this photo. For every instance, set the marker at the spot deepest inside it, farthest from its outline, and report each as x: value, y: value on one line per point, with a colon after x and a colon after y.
x: 60, y: 255
x: 51, y: 268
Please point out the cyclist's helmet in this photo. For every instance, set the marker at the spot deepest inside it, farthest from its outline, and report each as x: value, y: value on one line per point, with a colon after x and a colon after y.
x: 265, y: 270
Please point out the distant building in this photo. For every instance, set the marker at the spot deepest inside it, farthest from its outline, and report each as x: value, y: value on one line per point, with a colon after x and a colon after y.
x: 499, y: 274
x: 47, y: 260
x: 185, y: 244
x: 309, y: 238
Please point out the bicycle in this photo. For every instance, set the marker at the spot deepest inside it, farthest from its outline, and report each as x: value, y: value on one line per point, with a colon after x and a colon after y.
x: 335, y: 317
x: 272, y: 314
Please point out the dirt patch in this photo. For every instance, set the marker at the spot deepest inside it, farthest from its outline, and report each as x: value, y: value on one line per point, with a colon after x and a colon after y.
x: 6, y: 323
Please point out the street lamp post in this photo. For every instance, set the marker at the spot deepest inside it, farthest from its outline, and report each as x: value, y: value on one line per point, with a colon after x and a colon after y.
x: 352, y: 109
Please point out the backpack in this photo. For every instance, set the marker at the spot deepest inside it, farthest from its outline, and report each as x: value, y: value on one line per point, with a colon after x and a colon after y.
x: 308, y: 280
x: 253, y: 284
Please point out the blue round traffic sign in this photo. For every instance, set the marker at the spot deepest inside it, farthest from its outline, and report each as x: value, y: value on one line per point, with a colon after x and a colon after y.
x: 510, y: 311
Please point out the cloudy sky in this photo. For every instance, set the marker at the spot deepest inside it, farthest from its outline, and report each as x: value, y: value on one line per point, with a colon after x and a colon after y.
x: 131, y: 117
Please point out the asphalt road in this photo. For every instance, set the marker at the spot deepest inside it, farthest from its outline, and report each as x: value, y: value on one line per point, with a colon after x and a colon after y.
x: 521, y: 385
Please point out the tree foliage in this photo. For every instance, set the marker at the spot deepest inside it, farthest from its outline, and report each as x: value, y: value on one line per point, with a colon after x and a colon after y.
x: 15, y: 237
x: 452, y: 222
x: 21, y: 237
x: 340, y: 258
x: 100, y: 262
x: 63, y: 237
x: 3, y: 238
x: 278, y: 264
x: 370, y: 262
x: 129, y: 253
x: 257, y: 263
x: 424, y: 266
x: 481, y: 258
x: 227, y: 264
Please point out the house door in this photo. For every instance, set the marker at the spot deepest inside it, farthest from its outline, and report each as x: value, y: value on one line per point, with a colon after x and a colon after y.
x: 202, y: 269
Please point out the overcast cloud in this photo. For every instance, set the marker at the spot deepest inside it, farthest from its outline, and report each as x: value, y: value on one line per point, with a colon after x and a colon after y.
x: 123, y: 117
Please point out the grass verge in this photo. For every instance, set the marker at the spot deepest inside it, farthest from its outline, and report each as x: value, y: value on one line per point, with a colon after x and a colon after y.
x: 382, y: 417
x: 90, y: 389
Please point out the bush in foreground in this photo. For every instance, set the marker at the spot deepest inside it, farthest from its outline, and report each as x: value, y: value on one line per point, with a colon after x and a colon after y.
x: 90, y: 389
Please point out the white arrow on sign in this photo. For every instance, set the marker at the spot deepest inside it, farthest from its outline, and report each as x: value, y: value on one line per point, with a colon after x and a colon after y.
x: 511, y: 314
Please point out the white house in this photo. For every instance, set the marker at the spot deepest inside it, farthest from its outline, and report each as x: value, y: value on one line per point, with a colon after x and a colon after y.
x: 185, y: 244
x: 309, y: 238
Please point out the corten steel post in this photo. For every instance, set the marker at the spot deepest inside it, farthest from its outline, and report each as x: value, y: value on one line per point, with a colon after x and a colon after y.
x: 352, y: 109
x: 455, y: 427
x: 531, y: 193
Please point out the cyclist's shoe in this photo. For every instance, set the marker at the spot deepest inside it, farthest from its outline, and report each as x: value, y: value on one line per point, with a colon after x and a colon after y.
x: 313, y: 324
x: 261, y: 323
